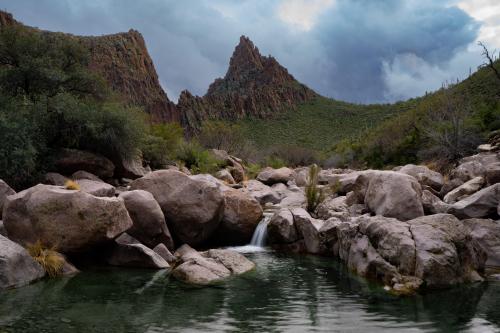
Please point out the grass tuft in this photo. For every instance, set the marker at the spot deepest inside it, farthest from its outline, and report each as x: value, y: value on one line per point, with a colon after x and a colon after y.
x: 51, y: 261
x: 314, y: 194
x: 72, y: 185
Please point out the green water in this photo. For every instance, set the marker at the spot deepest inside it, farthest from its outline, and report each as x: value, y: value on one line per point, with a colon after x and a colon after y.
x: 284, y: 294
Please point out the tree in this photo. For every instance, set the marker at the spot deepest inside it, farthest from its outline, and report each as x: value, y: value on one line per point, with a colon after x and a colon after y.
x: 224, y: 136
x: 490, y: 61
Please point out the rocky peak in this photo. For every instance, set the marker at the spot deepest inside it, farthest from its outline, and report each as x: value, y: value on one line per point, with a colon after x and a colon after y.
x: 6, y: 19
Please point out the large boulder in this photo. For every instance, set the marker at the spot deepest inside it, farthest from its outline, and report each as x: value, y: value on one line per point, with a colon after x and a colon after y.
x: 468, y: 170
x: 391, y: 194
x: 96, y: 188
x: 131, y: 167
x: 71, y: 221
x: 333, y: 207
x: 487, y: 235
x: 149, y: 226
x: 210, y: 267
x: 17, y: 267
x: 466, y: 189
x: 242, y: 214
x: 281, y: 228
x: 54, y: 178
x: 432, y: 204
x: 225, y: 176
x: 492, y: 173
x: 483, y: 203
x: 270, y: 176
x: 5, y: 190
x: 424, y: 175
x: 69, y: 161
x: 263, y: 193
x: 308, y: 228
x: 130, y: 253
x: 193, y: 208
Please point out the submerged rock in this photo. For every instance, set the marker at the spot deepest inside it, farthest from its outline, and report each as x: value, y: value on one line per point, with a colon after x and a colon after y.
x: 212, y: 266
x: 17, y: 267
x: 71, y: 221
x: 193, y: 208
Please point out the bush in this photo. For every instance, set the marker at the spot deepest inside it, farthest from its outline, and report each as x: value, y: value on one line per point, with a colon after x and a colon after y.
x: 314, y: 195
x: 252, y: 170
x: 161, y: 146
x: 197, y: 159
x: 225, y: 136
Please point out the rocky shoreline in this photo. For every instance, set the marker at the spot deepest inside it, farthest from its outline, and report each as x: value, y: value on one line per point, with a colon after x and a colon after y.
x: 409, y: 228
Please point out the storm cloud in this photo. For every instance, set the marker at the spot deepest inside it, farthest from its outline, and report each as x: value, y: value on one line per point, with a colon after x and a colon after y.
x: 356, y: 50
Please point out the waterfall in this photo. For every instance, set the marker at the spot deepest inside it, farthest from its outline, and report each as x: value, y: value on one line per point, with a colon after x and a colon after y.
x: 260, y: 233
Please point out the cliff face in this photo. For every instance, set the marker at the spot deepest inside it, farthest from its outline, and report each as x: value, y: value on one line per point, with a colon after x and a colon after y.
x: 254, y: 86
x: 124, y: 62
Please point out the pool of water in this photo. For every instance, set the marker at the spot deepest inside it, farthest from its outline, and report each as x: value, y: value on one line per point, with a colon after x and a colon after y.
x: 284, y: 294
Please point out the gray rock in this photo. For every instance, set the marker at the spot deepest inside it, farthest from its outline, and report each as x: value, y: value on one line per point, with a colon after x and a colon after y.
x: 85, y: 175
x: 163, y: 251
x: 270, y: 176
x: 225, y: 175
x: 487, y: 235
x: 71, y: 221
x: 449, y: 186
x: 263, y: 193
x: 96, y: 188
x: 281, y: 228
x: 149, y: 226
x: 424, y: 175
x: 136, y: 255
x: 462, y: 191
x: 54, y: 178
x: 480, y: 204
x: 69, y: 161
x: 333, y: 207
x: 492, y: 173
x: 3, y: 232
x: 193, y: 208
x: 17, y: 268
x: 5, y: 191
x: 432, y: 204
x: 308, y: 228
x: 391, y: 194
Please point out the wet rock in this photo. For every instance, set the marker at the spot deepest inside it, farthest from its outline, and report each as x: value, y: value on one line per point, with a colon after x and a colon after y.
x: 17, y: 267
x: 281, y: 228
x: 130, y: 253
x: 149, y: 226
x: 163, y: 251
x: 193, y: 208
x: 71, y: 221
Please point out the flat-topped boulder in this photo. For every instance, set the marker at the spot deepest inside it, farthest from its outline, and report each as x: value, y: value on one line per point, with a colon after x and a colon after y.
x: 270, y: 176
x: 193, y: 208
x: 96, y: 188
x: 209, y: 267
x: 17, y: 267
x: 69, y: 220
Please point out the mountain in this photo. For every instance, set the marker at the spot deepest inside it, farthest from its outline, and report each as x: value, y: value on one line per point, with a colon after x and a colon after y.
x: 124, y: 62
x: 254, y: 86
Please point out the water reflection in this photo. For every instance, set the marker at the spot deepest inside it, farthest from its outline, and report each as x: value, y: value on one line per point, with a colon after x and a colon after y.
x: 285, y: 293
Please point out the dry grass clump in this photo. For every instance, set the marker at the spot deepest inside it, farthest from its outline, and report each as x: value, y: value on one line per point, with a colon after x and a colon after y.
x: 51, y: 261
x: 72, y: 185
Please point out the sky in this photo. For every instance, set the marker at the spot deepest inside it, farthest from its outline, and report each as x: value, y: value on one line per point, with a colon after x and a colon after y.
x: 362, y: 51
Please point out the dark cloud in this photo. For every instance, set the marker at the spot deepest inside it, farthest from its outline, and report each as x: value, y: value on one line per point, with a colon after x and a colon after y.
x: 359, y: 50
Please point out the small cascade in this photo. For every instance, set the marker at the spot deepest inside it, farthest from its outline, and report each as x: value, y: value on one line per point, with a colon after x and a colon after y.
x: 260, y: 233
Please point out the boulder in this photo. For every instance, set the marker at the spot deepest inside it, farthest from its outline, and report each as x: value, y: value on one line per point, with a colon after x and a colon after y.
x: 164, y: 252
x: 308, y: 228
x: 432, y: 204
x: 293, y: 199
x: 131, y: 167
x: 449, y: 186
x: 487, y: 235
x: 445, y: 253
x: 242, y: 214
x: 96, y: 188
x: 69, y: 161
x: 17, y: 267
x: 468, y: 170
x: 5, y: 190
x: 129, y: 253
x: 391, y: 194
x: 424, y: 175
x: 333, y: 207
x: 233, y: 164
x: 464, y: 190
x: 54, y: 178
x: 263, y: 193
x: 193, y: 208
x: 483, y: 203
x: 212, y: 266
x: 492, y: 173
x: 281, y: 228
x: 71, y: 221
x: 149, y: 226
x: 270, y: 176
x: 225, y: 176
x: 3, y: 232
x: 301, y: 176
x: 84, y: 175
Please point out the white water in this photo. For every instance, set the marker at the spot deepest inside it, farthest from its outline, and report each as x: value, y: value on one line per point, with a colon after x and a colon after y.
x: 258, y: 239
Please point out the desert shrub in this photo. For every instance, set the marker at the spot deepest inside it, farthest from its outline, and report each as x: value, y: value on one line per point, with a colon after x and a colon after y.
x: 314, y: 194
x: 161, y: 146
x: 51, y: 261
x: 252, y: 170
x: 197, y: 159
x: 225, y: 136
x: 72, y: 185
x: 274, y: 162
